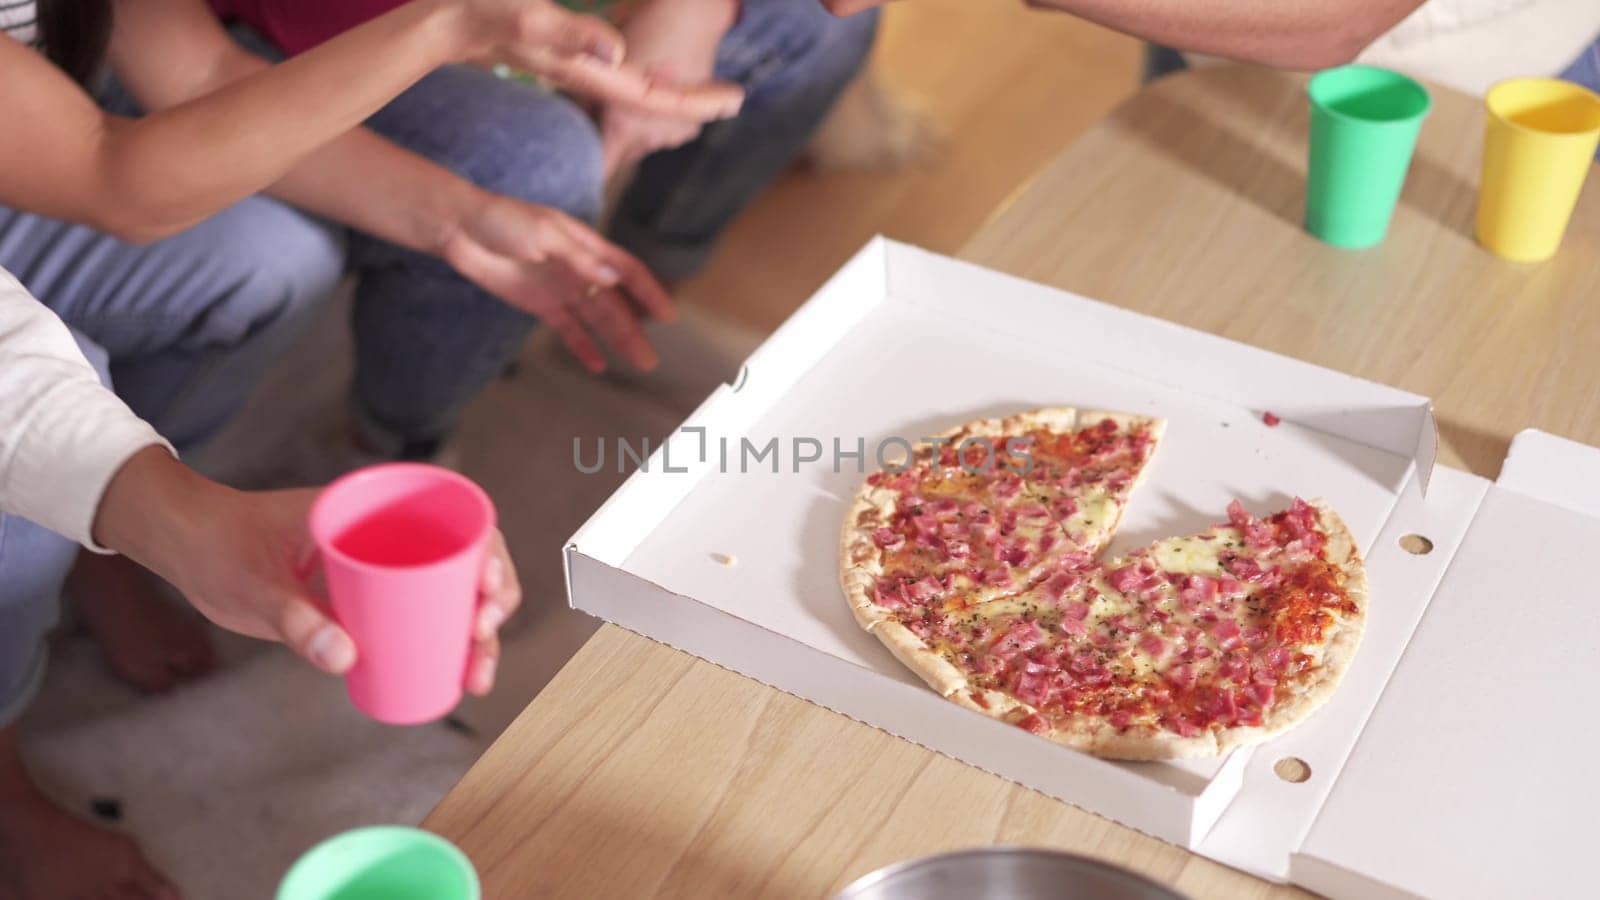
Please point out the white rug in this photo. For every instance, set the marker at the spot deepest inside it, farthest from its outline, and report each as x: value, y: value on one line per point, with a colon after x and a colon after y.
x: 226, y: 781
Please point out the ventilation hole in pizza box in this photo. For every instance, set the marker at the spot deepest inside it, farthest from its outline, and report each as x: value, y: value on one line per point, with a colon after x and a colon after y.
x: 1292, y: 769
x: 1416, y: 544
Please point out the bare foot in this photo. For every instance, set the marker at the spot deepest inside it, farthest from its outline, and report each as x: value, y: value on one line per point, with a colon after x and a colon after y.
x: 47, y: 853
x: 148, y: 642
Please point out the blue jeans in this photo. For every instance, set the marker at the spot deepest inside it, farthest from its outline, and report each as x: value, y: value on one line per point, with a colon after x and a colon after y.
x: 427, y: 340
x: 1585, y: 70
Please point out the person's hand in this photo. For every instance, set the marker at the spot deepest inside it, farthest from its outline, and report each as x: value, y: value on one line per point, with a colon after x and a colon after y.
x: 246, y: 561
x: 548, y: 264
x: 584, y: 55
x: 676, y: 42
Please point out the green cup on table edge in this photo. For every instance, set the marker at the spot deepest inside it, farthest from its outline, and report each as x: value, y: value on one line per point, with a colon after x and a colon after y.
x: 383, y: 862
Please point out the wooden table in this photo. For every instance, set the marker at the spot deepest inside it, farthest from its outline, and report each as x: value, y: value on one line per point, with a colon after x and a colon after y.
x: 641, y: 770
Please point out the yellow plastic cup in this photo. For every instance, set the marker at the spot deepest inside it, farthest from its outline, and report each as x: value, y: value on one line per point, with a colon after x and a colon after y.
x: 1539, y: 147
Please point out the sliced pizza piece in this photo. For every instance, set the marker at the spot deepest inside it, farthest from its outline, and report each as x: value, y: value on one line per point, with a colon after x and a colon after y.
x: 1085, y: 477
x: 991, y: 507
x: 952, y: 526
x: 1189, y: 647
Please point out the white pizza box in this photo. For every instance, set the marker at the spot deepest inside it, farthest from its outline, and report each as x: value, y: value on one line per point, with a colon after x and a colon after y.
x: 905, y: 343
x: 1472, y: 778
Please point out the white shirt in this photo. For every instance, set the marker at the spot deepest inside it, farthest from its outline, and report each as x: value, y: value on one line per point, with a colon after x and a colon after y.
x: 1471, y: 44
x: 20, y: 19
x: 62, y: 433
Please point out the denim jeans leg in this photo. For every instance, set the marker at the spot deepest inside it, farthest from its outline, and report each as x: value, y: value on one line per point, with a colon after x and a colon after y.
x: 427, y: 340
x: 1585, y: 70
x: 192, y: 321
x: 793, y: 59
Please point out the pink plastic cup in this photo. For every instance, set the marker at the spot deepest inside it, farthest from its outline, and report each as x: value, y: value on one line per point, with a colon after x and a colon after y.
x: 402, y: 547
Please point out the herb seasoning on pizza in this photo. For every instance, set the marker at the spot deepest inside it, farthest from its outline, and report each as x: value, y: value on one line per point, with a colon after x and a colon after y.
x: 981, y: 576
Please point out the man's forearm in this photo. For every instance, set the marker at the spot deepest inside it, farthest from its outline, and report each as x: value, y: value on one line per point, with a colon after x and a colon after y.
x: 1305, y: 35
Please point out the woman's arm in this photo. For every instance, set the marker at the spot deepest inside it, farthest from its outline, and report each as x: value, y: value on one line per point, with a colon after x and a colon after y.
x: 149, y: 177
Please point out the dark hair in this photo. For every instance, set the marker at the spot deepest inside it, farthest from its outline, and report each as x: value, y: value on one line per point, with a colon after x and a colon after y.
x: 75, y: 34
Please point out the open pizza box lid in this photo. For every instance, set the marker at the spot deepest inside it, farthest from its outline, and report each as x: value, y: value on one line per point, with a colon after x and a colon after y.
x: 902, y: 343
x: 1472, y: 777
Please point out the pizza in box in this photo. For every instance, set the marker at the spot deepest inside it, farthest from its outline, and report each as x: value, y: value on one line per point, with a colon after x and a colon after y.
x: 978, y: 563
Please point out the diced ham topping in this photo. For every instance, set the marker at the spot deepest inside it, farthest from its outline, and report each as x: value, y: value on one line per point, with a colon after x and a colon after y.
x: 1234, y: 669
x: 924, y: 589
x: 1227, y: 635
x: 1278, y: 658
x: 957, y: 549
x: 1183, y: 726
x: 1077, y: 610
x: 1006, y: 488
x: 1153, y: 645
x: 1249, y: 570
x: 1064, y: 507
x: 1013, y: 552
x: 1261, y: 694
x: 998, y: 576
x: 887, y: 538
x: 1021, y: 637
x: 984, y: 529
x: 1034, y: 723
x: 1219, y: 706
x: 1126, y: 579
x: 891, y: 593
x: 1057, y: 585
x: 1033, y: 510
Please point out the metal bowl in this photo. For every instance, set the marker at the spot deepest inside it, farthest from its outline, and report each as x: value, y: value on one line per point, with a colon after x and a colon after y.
x: 1004, y: 873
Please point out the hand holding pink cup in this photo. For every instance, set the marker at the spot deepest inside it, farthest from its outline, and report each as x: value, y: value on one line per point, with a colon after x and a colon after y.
x: 402, y: 549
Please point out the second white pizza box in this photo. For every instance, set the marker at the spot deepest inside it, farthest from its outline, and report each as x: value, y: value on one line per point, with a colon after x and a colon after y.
x: 726, y: 543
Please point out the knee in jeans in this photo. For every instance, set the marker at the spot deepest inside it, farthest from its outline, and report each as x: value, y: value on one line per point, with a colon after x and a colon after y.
x: 283, y: 264
x: 546, y: 153
x: 814, y: 46
x: 843, y: 45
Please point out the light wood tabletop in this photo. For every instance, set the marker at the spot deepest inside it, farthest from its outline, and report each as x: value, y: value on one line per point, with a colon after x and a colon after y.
x: 643, y: 771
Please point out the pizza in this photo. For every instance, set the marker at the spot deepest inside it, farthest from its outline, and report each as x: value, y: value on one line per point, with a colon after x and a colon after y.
x: 976, y: 562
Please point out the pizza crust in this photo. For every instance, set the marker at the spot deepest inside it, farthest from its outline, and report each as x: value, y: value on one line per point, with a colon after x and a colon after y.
x: 920, y: 658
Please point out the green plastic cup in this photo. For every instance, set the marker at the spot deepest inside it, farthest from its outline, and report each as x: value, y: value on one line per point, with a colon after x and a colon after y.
x: 1364, y: 124
x: 385, y: 862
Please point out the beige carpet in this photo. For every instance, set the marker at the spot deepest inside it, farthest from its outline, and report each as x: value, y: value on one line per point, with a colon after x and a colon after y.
x: 226, y: 781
